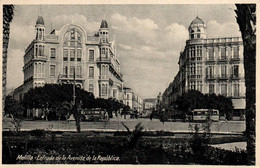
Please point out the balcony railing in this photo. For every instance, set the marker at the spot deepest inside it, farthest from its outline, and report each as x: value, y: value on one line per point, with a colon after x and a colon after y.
x: 222, y: 59
x: 223, y: 76
x: 39, y: 76
x: 103, y: 60
x: 210, y: 60
x: 70, y: 77
x: 235, y: 76
x: 103, y: 77
x: 210, y: 77
x: 236, y: 58
x: 214, y: 40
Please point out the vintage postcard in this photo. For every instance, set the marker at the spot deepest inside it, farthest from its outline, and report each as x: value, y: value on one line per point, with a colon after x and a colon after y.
x: 135, y: 83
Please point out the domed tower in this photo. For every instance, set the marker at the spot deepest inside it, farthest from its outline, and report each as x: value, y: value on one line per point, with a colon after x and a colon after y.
x: 197, y: 29
x: 104, y: 32
x: 40, y: 29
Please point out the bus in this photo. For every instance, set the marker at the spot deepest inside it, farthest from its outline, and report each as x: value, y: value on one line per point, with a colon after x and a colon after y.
x: 203, y: 114
x: 94, y: 114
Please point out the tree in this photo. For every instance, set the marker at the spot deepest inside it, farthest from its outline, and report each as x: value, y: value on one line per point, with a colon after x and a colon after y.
x: 8, y: 13
x: 54, y: 95
x: 193, y: 99
x: 13, y: 107
x: 15, y: 111
x: 246, y: 19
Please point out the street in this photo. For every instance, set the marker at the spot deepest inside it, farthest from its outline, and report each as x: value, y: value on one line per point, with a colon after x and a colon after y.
x: 116, y: 125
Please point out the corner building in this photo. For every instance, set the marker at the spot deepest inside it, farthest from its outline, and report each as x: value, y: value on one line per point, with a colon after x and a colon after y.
x: 210, y: 65
x: 56, y: 57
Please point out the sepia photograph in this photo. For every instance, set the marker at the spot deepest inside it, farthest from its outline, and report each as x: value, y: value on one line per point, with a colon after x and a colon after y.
x: 132, y: 84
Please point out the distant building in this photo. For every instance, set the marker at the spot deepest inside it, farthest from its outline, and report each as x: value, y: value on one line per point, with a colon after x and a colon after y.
x: 54, y: 59
x: 132, y: 100
x: 149, y: 105
x: 210, y: 65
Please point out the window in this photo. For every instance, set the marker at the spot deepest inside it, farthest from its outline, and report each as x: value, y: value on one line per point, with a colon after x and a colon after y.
x: 199, y: 86
x: 104, y: 89
x: 199, y: 70
x: 72, y: 54
x: 72, y: 34
x: 223, y: 71
x: 72, y: 39
x: 53, y: 53
x: 65, y: 71
x: 199, y: 51
x: 79, y: 72
x: 235, y: 52
x: 236, y: 90
x: 210, y: 71
x: 224, y: 89
x: 65, y: 54
x: 103, y: 52
x: 193, y: 54
x: 72, y: 71
x: 211, y: 88
x: 41, y: 50
x: 52, y: 70
x: 211, y: 53
x: 79, y: 54
x: 223, y: 53
x: 91, y: 72
x: 102, y: 70
x: 198, y: 35
x: 235, y: 71
x: 192, y: 69
x: 91, y: 88
x: 192, y: 34
x: 127, y: 96
x: 193, y: 85
x: 114, y: 93
x: 91, y: 55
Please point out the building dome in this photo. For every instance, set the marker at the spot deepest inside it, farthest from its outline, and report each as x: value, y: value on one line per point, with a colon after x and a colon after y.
x: 40, y: 20
x: 104, y: 24
x: 197, y: 21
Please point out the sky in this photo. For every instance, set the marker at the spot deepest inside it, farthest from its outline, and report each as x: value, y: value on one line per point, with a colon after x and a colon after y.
x: 148, y: 38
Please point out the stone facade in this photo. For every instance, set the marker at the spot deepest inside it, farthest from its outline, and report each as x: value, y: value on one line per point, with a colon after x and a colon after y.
x: 210, y: 65
x: 68, y: 53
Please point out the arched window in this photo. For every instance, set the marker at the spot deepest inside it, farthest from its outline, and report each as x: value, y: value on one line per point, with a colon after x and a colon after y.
x: 198, y: 30
x: 192, y: 34
x: 106, y: 72
x: 72, y: 43
x: 103, y: 52
x: 91, y: 88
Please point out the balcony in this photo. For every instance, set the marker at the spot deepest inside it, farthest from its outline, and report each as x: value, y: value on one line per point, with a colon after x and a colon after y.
x: 222, y: 59
x: 37, y: 76
x: 235, y: 76
x: 70, y: 77
x: 210, y: 77
x: 223, y: 77
x: 210, y: 60
x: 235, y: 59
x: 103, y: 60
x: 103, y: 77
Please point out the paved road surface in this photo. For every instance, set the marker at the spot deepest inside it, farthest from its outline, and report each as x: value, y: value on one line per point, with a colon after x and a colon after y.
x: 115, y: 124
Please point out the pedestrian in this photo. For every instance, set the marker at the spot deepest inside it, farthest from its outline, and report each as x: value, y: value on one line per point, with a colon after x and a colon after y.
x: 151, y: 116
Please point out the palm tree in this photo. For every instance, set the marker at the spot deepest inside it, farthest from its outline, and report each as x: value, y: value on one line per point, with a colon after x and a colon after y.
x: 8, y: 13
x: 246, y: 19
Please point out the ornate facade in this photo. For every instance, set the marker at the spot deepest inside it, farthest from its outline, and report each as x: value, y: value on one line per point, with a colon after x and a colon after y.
x: 70, y: 53
x: 210, y: 65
